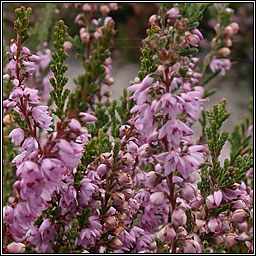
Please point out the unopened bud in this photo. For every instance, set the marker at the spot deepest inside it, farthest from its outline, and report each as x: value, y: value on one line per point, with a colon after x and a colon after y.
x: 234, y: 26
x: 124, y: 179
x: 67, y: 46
x: 7, y: 120
x: 16, y: 247
x: 230, y: 239
x: 116, y: 244
x: 167, y: 234
x: 109, y: 81
x: 113, y: 6
x: 86, y: 7
x: 228, y: 31
x: 224, y: 51
x: 227, y: 42
x: 128, y: 193
x: 157, y: 198
x: 118, y: 231
x: 6, y: 77
x: 179, y: 218
x: 104, y: 9
x: 85, y: 37
x: 111, y: 222
x: 118, y: 198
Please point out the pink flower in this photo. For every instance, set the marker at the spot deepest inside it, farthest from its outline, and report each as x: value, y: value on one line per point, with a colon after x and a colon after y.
x: 42, y: 117
x: 223, y: 64
x: 217, y: 197
x: 167, y: 234
x: 173, y: 13
x: 157, y: 198
x: 175, y: 130
x: 16, y: 247
x: 214, y: 225
x: 179, y: 218
x: 17, y: 136
x: 13, y: 49
x: 85, y: 117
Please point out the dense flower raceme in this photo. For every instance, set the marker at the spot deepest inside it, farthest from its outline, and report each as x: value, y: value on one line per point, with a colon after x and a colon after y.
x: 43, y: 161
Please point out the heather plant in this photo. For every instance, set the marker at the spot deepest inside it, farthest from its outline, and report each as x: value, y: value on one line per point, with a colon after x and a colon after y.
x: 97, y: 176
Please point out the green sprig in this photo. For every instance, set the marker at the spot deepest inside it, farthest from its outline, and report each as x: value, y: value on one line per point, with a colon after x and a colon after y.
x: 58, y: 94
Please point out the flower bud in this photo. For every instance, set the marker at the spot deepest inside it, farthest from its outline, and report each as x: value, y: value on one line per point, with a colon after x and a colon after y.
x: 217, y: 195
x: 87, y: 8
x: 167, y: 234
x: 230, y: 239
x: 122, y: 217
x: 179, y: 218
x: 128, y: 193
x: 118, y: 198
x: 25, y: 51
x: 210, y: 202
x: 200, y: 223
x: 238, y: 215
x: 227, y: 42
x: 116, y: 244
x: 128, y: 159
x: 85, y: 37
x: 16, y: 247
x: 188, y: 191
x: 13, y: 49
x: 124, y: 179
x: 7, y: 120
x: 67, y: 46
x: 193, y: 40
x: 6, y: 77
x: 198, y: 33
x: 157, y: 198
x: 173, y: 13
x: 152, y: 179
x: 243, y: 227
x: 34, y: 58
x: 118, y: 231
x: 113, y: 6
x: 228, y: 31
x: 109, y: 81
x: 243, y: 237
x: 104, y: 9
x: 152, y: 19
x: 234, y: 26
x: 85, y: 117
x: 102, y: 169
x: 111, y: 222
x: 224, y: 51
x: 217, y: 239
x: 214, y: 224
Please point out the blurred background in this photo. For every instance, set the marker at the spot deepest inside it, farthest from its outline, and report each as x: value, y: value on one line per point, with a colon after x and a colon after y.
x: 131, y: 24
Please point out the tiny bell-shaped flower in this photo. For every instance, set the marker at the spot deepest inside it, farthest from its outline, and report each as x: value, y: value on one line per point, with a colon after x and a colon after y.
x: 179, y: 218
x: 111, y: 222
x: 239, y: 215
x: 16, y: 247
x: 217, y: 197
x: 102, y: 169
x: 17, y: 136
x: 116, y: 244
x: 167, y: 234
x: 118, y: 198
x: 87, y: 118
x: 157, y: 198
x: 230, y: 239
x: 234, y: 26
